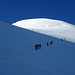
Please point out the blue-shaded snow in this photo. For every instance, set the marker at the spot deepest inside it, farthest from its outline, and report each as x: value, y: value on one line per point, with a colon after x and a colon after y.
x: 18, y: 56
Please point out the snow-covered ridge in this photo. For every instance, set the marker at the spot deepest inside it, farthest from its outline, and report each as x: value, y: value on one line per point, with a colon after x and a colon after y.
x: 55, y: 28
x: 19, y: 57
x: 40, y: 22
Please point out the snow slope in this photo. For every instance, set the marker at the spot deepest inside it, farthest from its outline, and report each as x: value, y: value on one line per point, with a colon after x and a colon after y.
x: 50, y: 27
x: 18, y: 55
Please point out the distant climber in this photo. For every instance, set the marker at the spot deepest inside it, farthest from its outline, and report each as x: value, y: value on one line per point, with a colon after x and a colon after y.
x: 36, y: 46
x: 62, y: 39
x: 47, y: 43
x: 51, y: 42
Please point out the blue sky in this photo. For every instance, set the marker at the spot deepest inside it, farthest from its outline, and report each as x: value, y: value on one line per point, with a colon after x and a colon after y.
x: 15, y: 10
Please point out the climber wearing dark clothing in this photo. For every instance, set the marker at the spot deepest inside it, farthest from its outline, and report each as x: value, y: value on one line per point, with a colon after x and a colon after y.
x: 47, y: 43
x: 36, y: 46
x: 62, y: 40
x: 51, y: 42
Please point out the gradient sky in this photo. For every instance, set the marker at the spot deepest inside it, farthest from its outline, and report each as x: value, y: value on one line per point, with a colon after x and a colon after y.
x: 15, y: 10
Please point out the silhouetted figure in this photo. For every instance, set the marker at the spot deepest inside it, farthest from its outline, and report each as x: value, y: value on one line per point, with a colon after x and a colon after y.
x: 62, y: 40
x: 39, y: 46
x: 47, y: 43
x: 36, y: 46
x: 51, y: 42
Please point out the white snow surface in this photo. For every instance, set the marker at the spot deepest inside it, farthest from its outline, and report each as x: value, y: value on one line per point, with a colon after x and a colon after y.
x: 49, y: 27
x: 19, y: 57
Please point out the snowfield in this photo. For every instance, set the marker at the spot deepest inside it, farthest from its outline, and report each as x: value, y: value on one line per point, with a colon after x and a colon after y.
x: 19, y: 57
x: 50, y: 27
